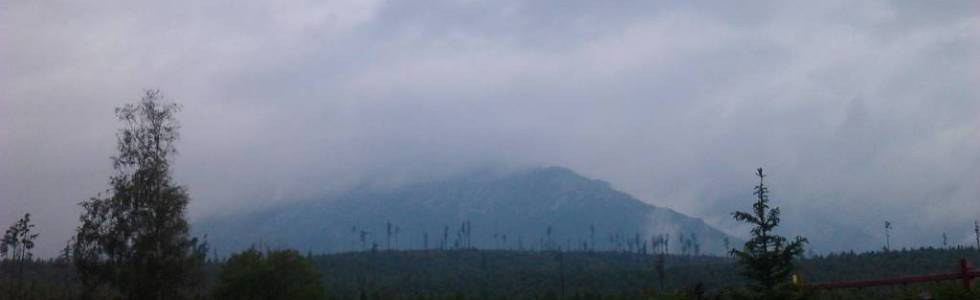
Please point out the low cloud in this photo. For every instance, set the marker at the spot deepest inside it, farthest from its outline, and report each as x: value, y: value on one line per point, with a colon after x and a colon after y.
x: 860, y: 112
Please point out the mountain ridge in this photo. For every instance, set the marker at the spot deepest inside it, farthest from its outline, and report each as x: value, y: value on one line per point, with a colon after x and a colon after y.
x: 536, y: 208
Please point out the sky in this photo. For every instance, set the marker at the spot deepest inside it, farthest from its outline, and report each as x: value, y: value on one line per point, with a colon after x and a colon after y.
x: 860, y: 111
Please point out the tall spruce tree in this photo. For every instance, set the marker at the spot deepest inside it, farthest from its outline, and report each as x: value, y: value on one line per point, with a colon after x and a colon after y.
x: 976, y: 231
x: 15, y: 253
x: 766, y: 258
x: 134, y: 237
x: 888, y: 236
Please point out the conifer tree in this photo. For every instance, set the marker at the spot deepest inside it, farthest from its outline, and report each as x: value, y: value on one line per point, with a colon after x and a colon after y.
x: 397, y: 231
x: 364, y: 235
x: 445, y: 237
x: 659, y: 244
x: 888, y: 236
x: 388, y: 233
x: 766, y: 258
x: 353, y: 242
x: 15, y: 250
x: 592, y: 237
x: 695, y: 244
x: 976, y: 232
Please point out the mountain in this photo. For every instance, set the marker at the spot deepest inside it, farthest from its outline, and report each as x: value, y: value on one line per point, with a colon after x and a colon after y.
x: 540, y: 208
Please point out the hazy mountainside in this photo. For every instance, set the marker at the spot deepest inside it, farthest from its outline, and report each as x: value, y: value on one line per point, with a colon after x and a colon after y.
x: 543, y: 208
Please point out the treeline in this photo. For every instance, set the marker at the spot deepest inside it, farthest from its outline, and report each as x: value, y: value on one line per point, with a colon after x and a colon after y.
x: 481, y: 274
x: 500, y: 274
x: 461, y: 237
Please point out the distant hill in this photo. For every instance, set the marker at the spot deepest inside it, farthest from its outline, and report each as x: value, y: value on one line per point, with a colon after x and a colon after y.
x: 541, y: 208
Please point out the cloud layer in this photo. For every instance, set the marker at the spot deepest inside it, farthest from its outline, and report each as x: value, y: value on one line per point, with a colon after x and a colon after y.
x: 861, y: 112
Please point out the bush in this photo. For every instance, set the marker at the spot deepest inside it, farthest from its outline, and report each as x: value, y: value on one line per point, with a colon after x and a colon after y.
x: 279, y: 274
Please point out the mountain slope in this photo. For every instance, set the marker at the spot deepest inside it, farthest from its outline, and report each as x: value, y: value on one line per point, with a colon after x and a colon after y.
x: 544, y: 208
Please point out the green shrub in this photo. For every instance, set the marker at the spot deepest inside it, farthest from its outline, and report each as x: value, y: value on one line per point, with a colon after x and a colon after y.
x: 279, y: 274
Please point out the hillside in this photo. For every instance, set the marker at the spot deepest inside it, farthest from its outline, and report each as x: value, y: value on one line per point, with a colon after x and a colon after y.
x: 543, y: 208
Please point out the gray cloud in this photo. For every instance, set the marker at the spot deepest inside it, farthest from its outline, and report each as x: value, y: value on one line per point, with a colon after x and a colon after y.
x: 861, y: 111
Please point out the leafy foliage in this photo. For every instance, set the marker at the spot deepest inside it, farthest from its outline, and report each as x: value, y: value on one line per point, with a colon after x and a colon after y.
x: 135, y: 239
x: 767, y: 258
x: 280, y: 274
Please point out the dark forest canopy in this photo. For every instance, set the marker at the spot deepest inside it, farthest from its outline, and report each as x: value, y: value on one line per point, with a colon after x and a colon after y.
x: 476, y: 274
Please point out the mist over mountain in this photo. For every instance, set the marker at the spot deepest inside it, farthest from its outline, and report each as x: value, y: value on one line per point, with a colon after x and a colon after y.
x: 537, y: 208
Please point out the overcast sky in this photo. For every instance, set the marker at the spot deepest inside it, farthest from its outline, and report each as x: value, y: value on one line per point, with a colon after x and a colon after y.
x: 861, y: 111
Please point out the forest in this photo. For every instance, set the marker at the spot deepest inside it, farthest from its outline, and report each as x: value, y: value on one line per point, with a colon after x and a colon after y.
x: 506, y: 274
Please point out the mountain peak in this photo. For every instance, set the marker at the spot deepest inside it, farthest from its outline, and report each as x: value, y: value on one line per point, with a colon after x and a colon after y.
x: 528, y: 208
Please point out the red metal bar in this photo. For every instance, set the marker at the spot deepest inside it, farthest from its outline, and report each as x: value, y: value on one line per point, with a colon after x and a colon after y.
x: 966, y: 274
